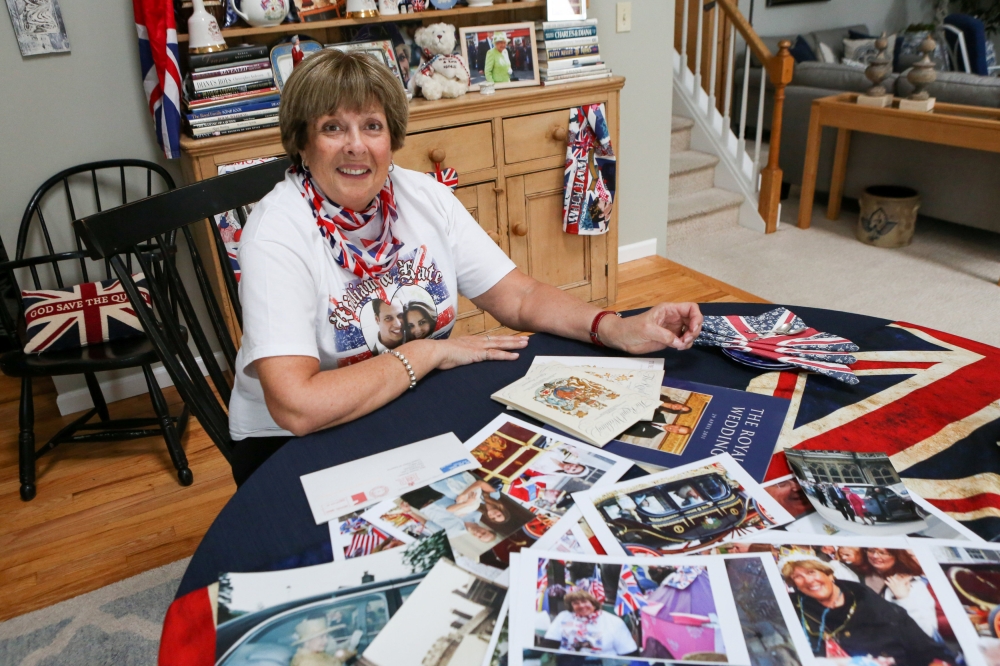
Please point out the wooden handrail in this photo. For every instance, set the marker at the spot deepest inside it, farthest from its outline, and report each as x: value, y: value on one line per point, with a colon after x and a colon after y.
x: 780, y: 67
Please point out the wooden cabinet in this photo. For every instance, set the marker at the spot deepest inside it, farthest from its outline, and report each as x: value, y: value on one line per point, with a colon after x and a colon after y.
x: 509, y: 150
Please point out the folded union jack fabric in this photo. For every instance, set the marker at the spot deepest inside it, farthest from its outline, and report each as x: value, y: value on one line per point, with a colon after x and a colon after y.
x: 591, y: 173
x: 86, y: 314
x: 780, y: 335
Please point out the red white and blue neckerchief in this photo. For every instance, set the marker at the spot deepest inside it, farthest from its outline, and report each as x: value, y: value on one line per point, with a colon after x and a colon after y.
x: 377, y: 256
x: 591, y: 172
x: 161, y: 76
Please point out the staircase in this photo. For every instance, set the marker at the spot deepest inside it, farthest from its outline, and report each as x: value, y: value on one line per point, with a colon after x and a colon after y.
x: 697, y: 206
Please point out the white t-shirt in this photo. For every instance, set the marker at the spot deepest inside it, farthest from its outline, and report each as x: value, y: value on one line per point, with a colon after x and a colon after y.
x: 608, y: 635
x: 298, y: 302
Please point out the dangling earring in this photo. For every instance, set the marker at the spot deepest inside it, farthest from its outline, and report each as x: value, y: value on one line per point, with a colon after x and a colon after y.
x: 392, y: 165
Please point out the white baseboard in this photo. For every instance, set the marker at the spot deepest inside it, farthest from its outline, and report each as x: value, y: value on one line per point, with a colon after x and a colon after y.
x: 119, y: 388
x: 633, y: 251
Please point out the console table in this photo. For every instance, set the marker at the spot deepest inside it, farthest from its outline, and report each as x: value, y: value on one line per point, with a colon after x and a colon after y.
x: 976, y: 127
x: 509, y: 150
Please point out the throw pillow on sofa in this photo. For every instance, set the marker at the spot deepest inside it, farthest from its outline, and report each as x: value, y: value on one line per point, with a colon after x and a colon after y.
x: 908, y: 52
x: 801, y: 50
x: 85, y: 314
x: 863, y: 50
x: 826, y: 54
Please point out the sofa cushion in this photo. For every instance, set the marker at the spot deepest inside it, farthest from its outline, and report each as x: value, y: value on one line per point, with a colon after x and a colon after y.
x: 953, y: 88
x: 834, y: 77
x: 801, y: 50
x: 834, y: 38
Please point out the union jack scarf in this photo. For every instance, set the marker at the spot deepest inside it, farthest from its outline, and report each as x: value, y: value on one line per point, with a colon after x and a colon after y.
x: 589, y: 181
x: 161, y: 77
x: 379, y: 255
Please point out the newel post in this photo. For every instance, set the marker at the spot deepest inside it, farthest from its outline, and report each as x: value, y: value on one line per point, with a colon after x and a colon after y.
x: 780, y: 69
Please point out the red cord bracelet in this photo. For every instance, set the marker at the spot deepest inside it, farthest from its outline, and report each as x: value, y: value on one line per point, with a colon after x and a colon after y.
x: 597, y: 322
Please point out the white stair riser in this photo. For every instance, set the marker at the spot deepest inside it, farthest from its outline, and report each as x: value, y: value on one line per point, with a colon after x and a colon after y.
x: 692, y: 181
x: 680, y: 140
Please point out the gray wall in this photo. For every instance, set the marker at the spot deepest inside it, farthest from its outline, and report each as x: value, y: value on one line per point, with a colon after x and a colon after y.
x: 644, y: 57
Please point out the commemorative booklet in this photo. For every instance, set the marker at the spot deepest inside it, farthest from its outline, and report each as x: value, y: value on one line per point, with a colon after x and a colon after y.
x: 581, y: 404
x: 693, y: 421
x: 520, y: 495
x: 682, y: 510
x: 643, y: 375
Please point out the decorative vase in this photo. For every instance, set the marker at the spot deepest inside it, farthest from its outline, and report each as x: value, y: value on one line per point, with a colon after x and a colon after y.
x: 262, y: 13
x: 204, y: 35
x: 362, y: 9
x: 888, y: 215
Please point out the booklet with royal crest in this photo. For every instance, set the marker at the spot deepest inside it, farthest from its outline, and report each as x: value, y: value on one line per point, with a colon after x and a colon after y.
x: 579, y: 403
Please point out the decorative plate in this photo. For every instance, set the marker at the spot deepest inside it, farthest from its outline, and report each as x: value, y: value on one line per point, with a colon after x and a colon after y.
x: 755, y: 361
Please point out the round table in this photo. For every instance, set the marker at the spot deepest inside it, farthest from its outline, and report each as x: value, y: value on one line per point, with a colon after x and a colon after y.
x: 267, y: 524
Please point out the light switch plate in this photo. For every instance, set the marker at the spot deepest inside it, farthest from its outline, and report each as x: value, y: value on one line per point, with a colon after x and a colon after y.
x: 623, y: 20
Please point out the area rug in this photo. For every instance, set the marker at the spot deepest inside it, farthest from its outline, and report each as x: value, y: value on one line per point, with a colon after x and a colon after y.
x: 947, y: 278
x: 118, y: 624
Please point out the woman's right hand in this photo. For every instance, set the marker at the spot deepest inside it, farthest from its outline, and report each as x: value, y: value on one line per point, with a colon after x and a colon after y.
x: 468, y: 349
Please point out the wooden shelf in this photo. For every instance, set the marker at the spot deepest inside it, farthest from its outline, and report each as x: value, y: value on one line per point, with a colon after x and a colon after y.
x: 307, y: 26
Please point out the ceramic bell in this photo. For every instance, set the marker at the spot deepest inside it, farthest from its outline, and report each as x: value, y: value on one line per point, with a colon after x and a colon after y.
x: 204, y: 35
x: 262, y: 13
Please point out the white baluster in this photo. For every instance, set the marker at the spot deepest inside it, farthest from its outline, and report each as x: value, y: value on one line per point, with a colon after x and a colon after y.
x: 741, y: 138
x: 715, y: 59
x: 760, y: 128
x: 684, y: 39
x: 697, y: 55
x: 730, y: 66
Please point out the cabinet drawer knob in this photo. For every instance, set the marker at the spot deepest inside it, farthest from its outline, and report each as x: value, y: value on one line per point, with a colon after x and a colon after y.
x: 437, y: 155
x: 494, y: 236
x: 560, y: 133
x: 520, y: 229
x: 498, y: 190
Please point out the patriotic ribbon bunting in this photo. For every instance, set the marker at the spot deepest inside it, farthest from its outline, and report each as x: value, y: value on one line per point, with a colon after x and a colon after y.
x: 161, y: 76
x: 378, y: 256
x: 780, y: 335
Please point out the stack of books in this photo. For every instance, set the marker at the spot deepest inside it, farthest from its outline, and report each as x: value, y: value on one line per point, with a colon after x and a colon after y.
x: 568, y: 52
x: 230, y: 91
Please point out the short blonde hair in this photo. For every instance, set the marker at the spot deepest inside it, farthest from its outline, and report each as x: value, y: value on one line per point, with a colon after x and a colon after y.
x: 331, y: 80
x: 809, y: 565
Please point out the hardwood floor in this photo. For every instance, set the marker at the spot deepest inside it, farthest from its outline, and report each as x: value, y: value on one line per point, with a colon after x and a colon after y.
x: 111, y: 510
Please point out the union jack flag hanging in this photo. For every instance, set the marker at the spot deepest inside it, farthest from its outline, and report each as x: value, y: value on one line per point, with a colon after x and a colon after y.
x: 629, y: 598
x: 161, y: 76
x: 87, y: 314
x: 929, y: 400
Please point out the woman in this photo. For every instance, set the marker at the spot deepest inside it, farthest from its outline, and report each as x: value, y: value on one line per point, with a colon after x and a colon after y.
x: 896, y: 576
x: 844, y: 619
x: 587, y: 629
x: 345, y: 228
x: 418, y: 321
x: 858, y: 506
x: 497, y: 68
x: 854, y: 559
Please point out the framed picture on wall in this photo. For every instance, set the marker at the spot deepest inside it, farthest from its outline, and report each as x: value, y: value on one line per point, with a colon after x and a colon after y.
x: 779, y: 3
x: 502, y: 53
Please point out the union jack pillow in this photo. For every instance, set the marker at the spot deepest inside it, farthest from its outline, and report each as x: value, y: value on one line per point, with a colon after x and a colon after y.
x: 87, y: 314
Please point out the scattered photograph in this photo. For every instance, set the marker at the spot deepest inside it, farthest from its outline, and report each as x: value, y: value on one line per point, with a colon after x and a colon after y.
x: 767, y: 619
x: 310, y: 615
x: 862, y: 598
x: 500, y: 54
x: 683, y: 510
x: 788, y: 493
x: 281, y: 59
x: 680, y: 610
x: 974, y: 575
x: 39, y: 28
x: 353, y: 536
x: 449, y: 619
x: 858, y: 492
x: 499, y: 642
x: 673, y: 422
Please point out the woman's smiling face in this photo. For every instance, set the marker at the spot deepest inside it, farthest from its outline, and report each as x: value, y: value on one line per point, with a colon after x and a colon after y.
x: 417, y: 324
x: 881, y: 559
x: 814, y: 583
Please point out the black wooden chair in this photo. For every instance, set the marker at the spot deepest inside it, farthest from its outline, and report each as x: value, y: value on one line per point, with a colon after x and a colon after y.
x: 143, y: 229
x: 52, y: 269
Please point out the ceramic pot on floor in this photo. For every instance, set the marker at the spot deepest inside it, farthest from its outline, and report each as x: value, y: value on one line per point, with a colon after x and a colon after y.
x: 888, y: 215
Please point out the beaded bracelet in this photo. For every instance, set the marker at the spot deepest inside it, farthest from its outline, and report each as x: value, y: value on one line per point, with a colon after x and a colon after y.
x: 409, y: 368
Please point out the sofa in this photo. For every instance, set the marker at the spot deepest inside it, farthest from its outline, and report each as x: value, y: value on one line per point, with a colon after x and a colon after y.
x: 956, y: 184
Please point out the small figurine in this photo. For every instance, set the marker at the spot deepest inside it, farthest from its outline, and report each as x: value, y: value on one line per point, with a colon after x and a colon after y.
x: 297, y: 54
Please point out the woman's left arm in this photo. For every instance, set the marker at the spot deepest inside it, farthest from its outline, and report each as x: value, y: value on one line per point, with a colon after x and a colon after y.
x: 522, y: 303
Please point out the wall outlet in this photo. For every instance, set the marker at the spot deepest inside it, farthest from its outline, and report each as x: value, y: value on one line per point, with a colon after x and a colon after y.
x: 623, y: 20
